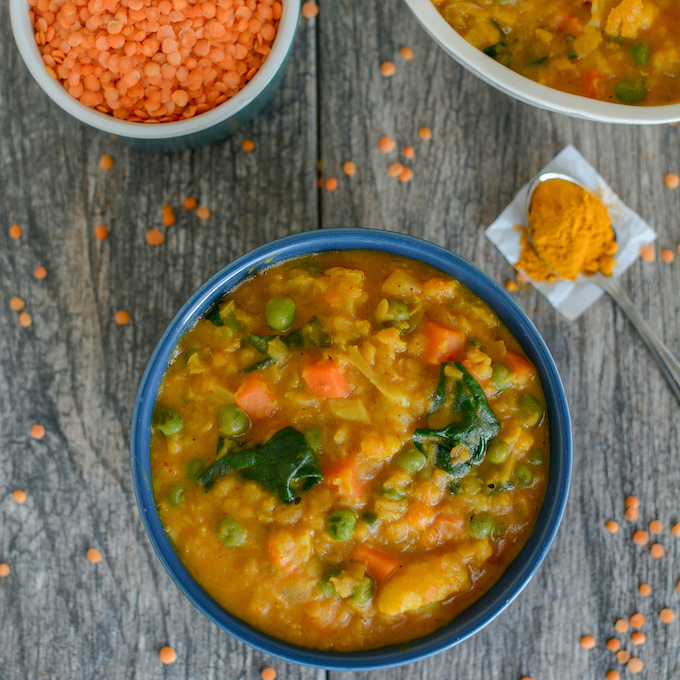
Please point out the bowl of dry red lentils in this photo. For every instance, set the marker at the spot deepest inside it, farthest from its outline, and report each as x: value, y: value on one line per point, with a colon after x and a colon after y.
x: 160, y: 74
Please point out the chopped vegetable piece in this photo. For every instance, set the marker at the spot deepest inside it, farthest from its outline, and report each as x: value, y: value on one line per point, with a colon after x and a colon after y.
x: 230, y: 533
x: 523, y: 475
x: 530, y: 411
x: 176, y: 495
x: 364, y: 591
x: 629, y: 92
x: 443, y: 344
x: 326, y: 379
x: 378, y: 563
x: 255, y: 398
x: 195, y: 469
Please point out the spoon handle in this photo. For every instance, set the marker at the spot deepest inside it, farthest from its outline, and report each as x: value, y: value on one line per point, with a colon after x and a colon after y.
x: 665, y: 358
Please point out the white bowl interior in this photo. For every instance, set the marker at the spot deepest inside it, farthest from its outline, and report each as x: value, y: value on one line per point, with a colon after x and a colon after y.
x: 25, y: 39
x: 526, y: 90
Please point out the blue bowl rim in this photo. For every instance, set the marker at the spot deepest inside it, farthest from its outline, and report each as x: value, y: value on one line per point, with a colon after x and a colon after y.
x: 515, y: 577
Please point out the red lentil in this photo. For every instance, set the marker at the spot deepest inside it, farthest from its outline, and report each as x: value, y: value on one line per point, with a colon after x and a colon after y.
x: 612, y: 526
x: 645, y: 590
x: 655, y: 526
x: 168, y: 215
x: 632, y: 502
x: 106, y: 162
x: 638, y: 638
x: 623, y: 656
x: 675, y: 529
x: 248, y: 145
x: 425, y: 133
x: 641, y: 537
x: 167, y: 655
x: 94, y: 555
x: 190, y: 203
x: 587, y: 642
x: 635, y: 665
x: 331, y: 184
x: 19, y: 496
x: 667, y: 255
x: 16, y: 304
x: 310, y: 10
x: 268, y: 674
x: 637, y: 620
x: 621, y: 626
x: 613, y: 645
x: 512, y: 286
x: 15, y: 231
x: 632, y: 514
x: 122, y: 318
x: 657, y: 551
x: 666, y: 615
x: 395, y: 169
x: 37, y: 431
x: 613, y: 675
x: 386, y: 144
x: 40, y: 273
x: 101, y: 232
x: 203, y: 213
x: 155, y: 61
x: 406, y: 53
x: 154, y: 237
x: 25, y: 319
x: 4, y: 570
x: 647, y: 253
x: 406, y: 175
x: 671, y: 180
x: 409, y: 152
x: 349, y: 168
x: 387, y: 68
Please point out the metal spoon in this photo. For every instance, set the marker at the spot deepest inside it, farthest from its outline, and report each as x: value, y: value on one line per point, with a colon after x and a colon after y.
x: 670, y: 366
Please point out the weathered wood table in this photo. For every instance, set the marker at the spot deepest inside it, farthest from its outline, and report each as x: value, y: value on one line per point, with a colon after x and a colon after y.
x: 75, y: 371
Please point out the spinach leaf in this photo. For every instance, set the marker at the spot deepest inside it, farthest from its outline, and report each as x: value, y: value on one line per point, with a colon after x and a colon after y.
x: 259, y: 342
x: 213, y: 315
x: 284, y: 465
x: 258, y: 365
x: 474, y: 430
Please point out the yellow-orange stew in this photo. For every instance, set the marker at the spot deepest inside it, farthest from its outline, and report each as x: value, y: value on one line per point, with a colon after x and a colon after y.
x: 348, y: 449
x: 624, y: 51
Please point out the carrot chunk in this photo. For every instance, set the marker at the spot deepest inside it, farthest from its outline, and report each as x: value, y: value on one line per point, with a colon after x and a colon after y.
x: 443, y: 344
x: 346, y: 478
x: 327, y: 379
x: 379, y: 564
x: 255, y: 397
x: 521, y: 368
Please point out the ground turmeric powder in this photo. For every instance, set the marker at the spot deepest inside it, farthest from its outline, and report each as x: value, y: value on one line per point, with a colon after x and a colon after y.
x: 569, y: 233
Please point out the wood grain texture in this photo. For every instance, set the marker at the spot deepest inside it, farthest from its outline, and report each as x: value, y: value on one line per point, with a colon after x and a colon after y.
x: 76, y: 372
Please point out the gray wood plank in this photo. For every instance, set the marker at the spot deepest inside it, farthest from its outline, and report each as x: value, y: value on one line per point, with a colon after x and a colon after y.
x: 76, y: 372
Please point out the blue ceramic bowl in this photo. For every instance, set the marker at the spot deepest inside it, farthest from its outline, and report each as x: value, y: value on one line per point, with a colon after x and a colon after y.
x: 511, y: 583
x: 205, y: 128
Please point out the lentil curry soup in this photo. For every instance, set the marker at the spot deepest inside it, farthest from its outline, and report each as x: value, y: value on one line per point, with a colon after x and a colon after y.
x: 348, y: 450
x: 623, y: 51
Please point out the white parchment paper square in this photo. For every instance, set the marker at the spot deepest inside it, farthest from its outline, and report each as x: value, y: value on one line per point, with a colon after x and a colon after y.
x: 572, y: 298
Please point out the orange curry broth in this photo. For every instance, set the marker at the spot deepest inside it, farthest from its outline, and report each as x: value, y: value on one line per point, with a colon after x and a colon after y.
x: 415, y: 558
x: 623, y: 51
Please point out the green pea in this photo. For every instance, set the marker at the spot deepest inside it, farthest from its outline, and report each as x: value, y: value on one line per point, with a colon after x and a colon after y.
x: 363, y: 592
x: 498, y: 451
x: 325, y: 585
x: 280, y: 313
x: 176, y: 495
x: 392, y: 494
x: 340, y: 524
x: 500, y: 376
x: 168, y: 421
x: 397, y: 310
x: 481, y: 525
x: 194, y: 469
x: 411, y: 460
x: 530, y: 411
x: 232, y: 421
x: 369, y: 517
x: 523, y: 475
x: 230, y: 533
x: 640, y: 53
x: 535, y: 456
x: 629, y: 92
